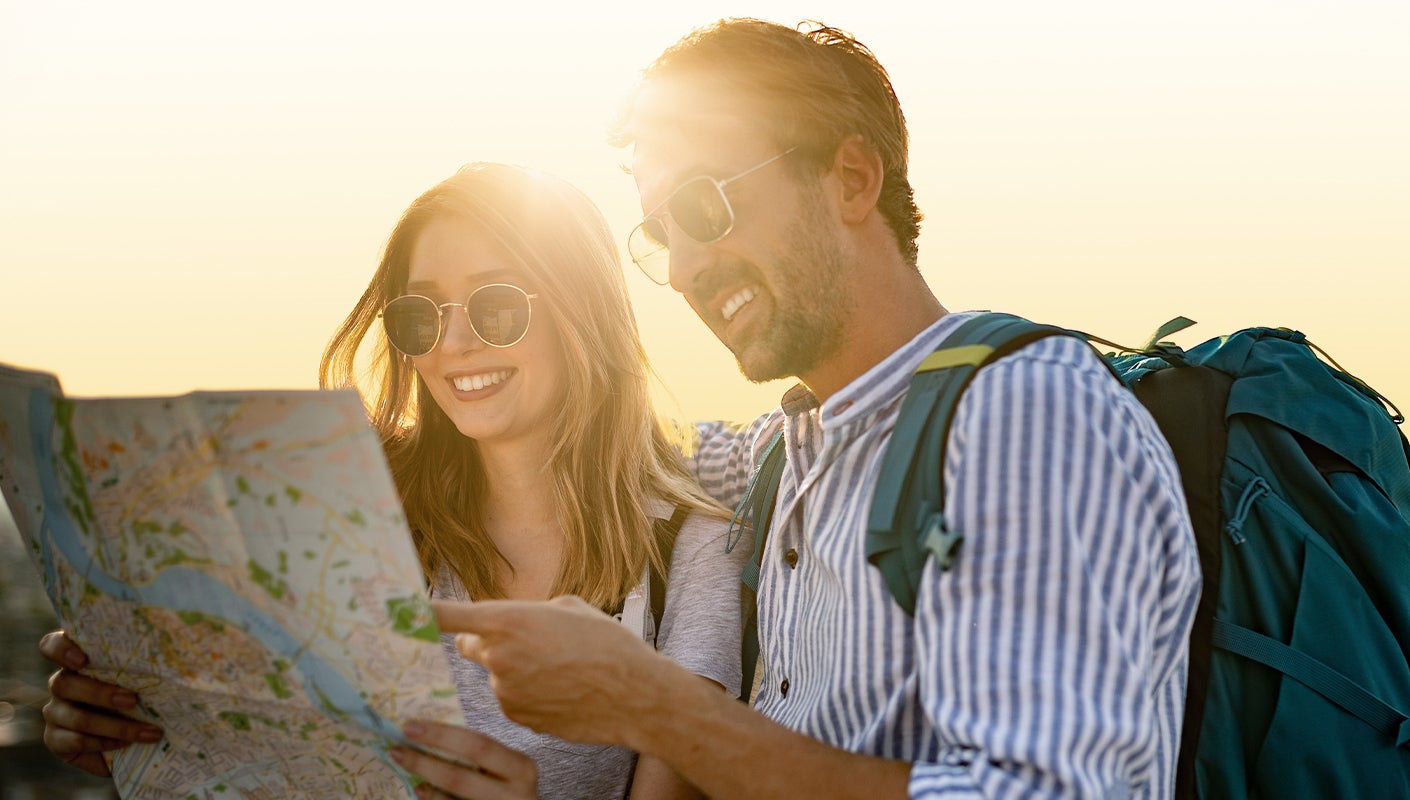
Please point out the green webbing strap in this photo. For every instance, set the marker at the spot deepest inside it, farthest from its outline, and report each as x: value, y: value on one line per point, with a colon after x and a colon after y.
x: 1173, y: 326
x: 756, y: 508
x: 1315, y: 675
x: 907, y: 522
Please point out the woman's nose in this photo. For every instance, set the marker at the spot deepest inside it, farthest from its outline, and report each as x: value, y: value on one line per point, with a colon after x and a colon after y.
x: 458, y: 335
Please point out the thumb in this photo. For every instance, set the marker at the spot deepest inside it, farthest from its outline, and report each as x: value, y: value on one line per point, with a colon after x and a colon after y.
x: 472, y: 647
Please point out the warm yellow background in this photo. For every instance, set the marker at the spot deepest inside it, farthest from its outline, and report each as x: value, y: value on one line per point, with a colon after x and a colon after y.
x: 193, y: 194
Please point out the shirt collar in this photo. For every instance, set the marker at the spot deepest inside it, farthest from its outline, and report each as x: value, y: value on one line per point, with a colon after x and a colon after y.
x: 886, y: 381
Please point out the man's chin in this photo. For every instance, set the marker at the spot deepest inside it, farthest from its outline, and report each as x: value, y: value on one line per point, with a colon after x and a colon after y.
x: 762, y: 360
x: 758, y: 365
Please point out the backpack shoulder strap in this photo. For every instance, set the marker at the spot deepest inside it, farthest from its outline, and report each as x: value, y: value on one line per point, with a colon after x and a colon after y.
x: 756, y: 509
x: 666, y: 531
x: 907, y: 522
x: 642, y: 608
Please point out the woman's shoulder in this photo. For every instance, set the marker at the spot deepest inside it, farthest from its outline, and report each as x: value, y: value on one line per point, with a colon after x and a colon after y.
x: 706, y: 543
x: 697, y: 524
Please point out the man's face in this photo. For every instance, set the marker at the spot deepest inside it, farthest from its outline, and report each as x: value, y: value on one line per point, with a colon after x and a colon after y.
x: 772, y: 290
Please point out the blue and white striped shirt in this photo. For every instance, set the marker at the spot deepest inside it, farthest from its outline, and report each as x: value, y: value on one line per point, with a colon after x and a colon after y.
x: 1050, y: 660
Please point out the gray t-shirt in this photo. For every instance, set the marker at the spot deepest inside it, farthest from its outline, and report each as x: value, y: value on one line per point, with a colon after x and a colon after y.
x: 700, y: 630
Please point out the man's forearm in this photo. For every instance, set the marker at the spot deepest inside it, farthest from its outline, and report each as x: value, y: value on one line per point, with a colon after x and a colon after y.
x: 729, y: 750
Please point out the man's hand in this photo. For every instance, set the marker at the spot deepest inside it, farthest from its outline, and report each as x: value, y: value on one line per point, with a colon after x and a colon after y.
x: 564, y: 668
x: 560, y: 667
x: 84, y: 716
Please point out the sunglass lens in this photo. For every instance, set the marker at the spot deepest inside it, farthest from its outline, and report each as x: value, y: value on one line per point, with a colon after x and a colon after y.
x: 654, y: 229
x: 413, y: 324
x: 499, y: 314
x: 699, y: 207
x: 647, y: 245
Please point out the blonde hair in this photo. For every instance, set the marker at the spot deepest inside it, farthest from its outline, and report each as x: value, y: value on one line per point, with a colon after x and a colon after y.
x: 610, y: 456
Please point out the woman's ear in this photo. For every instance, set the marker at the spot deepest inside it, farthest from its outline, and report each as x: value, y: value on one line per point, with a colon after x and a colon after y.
x: 858, y: 169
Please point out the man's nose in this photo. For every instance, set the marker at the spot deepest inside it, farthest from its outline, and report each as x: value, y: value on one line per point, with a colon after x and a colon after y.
x: 688, y: 258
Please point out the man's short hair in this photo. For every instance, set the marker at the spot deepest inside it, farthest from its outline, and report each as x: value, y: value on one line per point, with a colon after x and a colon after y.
x: 810, y: 86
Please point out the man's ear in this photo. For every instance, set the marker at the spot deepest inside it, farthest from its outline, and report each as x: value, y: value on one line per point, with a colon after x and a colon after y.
x: 858, y: 169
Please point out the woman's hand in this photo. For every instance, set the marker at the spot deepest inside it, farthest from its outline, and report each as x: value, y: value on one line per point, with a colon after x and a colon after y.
x: 497, y: 771
x: 84, y: 716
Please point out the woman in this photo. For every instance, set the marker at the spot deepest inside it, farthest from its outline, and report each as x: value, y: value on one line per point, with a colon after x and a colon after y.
x: 510, y: 389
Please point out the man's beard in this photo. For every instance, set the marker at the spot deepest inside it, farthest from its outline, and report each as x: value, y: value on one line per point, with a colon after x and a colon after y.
x: 810, y: 303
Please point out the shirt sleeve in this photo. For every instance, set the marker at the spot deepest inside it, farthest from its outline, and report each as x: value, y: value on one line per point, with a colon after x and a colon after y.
x: 700, y: 627
x: 1052, y: 652
x: 725, y: 455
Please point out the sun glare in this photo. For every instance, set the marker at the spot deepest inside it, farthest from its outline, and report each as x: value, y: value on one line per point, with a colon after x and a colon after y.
x: 195, y: 199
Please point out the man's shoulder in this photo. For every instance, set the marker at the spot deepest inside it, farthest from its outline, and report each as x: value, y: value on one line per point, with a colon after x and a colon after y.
x: 1054, y: 375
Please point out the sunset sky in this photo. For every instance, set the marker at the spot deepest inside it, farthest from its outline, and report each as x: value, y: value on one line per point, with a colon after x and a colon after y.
x: 193, y: 195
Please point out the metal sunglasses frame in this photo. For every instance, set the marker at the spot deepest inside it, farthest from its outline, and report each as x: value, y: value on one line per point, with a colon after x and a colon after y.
x: 658, y: 214
x: 465, y: 307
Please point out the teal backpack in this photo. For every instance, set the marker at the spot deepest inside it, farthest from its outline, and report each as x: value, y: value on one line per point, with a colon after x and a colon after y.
x: 1298, y: 484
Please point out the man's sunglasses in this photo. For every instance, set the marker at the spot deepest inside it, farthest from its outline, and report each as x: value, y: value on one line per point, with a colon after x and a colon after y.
x: 498, y: 313
x: 699, y: 207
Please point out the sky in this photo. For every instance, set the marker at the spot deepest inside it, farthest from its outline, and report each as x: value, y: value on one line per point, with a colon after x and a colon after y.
x: 193, y: 195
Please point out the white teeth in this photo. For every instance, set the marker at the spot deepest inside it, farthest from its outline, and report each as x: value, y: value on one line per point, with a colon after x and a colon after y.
x: 474, y: 383
x: 732, y: 305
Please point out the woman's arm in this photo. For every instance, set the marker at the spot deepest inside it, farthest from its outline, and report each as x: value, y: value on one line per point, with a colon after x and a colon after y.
x: 654, y: 780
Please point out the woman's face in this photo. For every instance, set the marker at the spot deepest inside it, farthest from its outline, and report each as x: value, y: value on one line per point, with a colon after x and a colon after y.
x: 491, y: 394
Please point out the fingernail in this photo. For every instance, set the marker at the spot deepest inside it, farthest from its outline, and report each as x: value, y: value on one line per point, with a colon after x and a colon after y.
x: 413, y: 729
x: 75, y: 659
x: 423, y: 790
x: 124, y: 699
x: 398, y: 755
x: 149, y: 735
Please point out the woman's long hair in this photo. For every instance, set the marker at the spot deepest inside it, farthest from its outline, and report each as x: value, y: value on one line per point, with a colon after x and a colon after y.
x: 610, y: 456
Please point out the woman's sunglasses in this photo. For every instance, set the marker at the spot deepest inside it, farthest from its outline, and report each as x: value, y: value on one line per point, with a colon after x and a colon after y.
x: 699, y: 208
x: 498, y: 313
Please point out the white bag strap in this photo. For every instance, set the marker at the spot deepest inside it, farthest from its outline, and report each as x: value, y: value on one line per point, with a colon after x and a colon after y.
x: 636, y: 610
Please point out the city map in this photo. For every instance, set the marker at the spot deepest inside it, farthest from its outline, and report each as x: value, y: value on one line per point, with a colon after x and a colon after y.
x: 240, y: 560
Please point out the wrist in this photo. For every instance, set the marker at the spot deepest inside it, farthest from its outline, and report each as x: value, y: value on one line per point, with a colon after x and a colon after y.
x: 666, y: 698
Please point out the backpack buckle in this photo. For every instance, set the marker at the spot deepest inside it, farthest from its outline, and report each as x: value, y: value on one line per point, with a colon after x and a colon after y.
x: 940, y: 540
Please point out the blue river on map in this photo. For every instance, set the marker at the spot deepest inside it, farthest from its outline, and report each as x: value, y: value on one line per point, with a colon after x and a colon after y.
x: 186, y: 590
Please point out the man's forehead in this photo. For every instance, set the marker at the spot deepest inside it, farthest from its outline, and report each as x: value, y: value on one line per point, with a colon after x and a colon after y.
x: 680, y: 125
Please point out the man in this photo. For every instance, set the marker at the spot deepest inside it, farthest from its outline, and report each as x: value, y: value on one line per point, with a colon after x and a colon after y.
x: 1050, y: 659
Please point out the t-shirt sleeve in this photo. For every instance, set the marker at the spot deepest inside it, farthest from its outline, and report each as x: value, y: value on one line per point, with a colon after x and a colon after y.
x: 700, y: 626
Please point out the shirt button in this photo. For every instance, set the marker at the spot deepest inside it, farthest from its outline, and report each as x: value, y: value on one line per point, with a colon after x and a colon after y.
x: 791, y: 557
x: 783, y: 688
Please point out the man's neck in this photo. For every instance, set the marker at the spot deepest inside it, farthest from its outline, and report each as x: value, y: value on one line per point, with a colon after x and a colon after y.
x: 892, y: 309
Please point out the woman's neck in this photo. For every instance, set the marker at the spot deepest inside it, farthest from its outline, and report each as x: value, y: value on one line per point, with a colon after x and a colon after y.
x: 521, y: 517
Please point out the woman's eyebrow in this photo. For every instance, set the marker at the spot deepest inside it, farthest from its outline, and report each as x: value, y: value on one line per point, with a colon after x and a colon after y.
x: 494, y: 275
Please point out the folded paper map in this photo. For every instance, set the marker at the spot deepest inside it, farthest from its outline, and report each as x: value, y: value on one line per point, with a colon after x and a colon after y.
x: 240, y: 560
